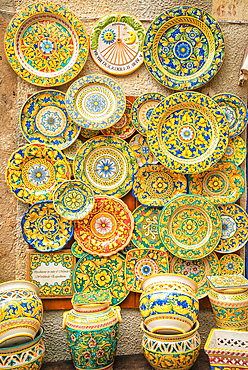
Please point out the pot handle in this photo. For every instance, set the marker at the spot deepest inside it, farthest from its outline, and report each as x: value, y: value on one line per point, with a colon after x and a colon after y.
x: 118, y: 313
x: 64, y: 319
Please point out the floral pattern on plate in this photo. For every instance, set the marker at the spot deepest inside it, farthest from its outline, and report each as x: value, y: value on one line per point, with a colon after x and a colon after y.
x: 77, y: 250
x: 224, y: 282
x: 88, y: 133
x: 142, y: 151
x: 235, y: 151
x: 231, y: 264
x: 71, y: 151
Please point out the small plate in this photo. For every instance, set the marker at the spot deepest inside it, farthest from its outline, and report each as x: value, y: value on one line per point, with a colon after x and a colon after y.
x: 34, y: 171
x: 44, y: 119
x: 94, y: 273
x: 142, y: 110
x: 231, y: 264
x: 224, y: 183
x: 44, y: 229
x: 235, y: 111
x: 142, y: 263
x: 154, y: 185
x: 95, y: 102
x: 234, y: 228
x: 107, y: 229
x: 142, y: 151
x: 106, y: 164
x: 88, y: 134
x: 73, y: 199
x: 77, y: 250
x: 226, y: 282
x: 71, y: 151
x: 235, y: 151
x: 190, y: 227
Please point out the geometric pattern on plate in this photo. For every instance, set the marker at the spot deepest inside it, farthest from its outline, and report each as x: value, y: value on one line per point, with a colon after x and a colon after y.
x: 142, y: 151
x: 235, y: 151
x: 231, y: 264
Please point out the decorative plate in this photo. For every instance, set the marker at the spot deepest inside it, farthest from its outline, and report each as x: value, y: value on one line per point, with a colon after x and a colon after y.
x: 44, y: 119
x: 188, y: 132
x: 145, y: 232
x: 231, y: 264
x: 116, y: 43
x: 142, y: 151
x: 196, y: 270
x: 107, y: 229
x: 44, y: 229
x: 95, y: 102
x: 184, y: 48
x: 94, y: 273
x: 46, y: 44
x: 235, y: 151
x: 128, y: 248
x: 107, y: 165
x: 154, y: 185
x: 91, y: 298
x: 190, y: 227
x: 77, y: 250
x: 142, y: 110
x: 73, y: 199
x: 88, y: 134
x: 71, y: 151
x: 124, y: 127
x: 224, y: 282
x: 142, y: 263
x: 34, y: 171
x: 235, y: 111
x: 234, y: 228
x: 223, y: 183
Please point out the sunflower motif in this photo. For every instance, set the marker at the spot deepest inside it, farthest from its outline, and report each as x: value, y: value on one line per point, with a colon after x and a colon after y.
x: 73, y: 200
x: 215, y: 183
x: 160, y: 185
x: 49, y: 225
x: 189, y: 227
x: 102, y: 278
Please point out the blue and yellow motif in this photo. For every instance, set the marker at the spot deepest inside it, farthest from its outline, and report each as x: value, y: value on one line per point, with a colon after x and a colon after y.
x: 231, y: 264
x: 235, y: 151
x: 142, y: 151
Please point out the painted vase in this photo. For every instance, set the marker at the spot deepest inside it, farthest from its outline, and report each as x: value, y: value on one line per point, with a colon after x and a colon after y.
x: 21, y: 312
x: 168, y: 303
x: 28, y: 356
x: 171, y: 351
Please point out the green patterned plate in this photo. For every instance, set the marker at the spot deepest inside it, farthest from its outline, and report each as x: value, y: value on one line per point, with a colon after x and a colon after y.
x: 142, y: 151
x: 231, y: 264
x: 91, y: 298
x: 235, y: 151
x: 77, y: 250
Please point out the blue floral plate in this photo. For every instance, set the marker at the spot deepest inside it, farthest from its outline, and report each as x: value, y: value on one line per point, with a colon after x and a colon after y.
x: 142, y: 151
x: 231, y: 264
x: 235, y: 151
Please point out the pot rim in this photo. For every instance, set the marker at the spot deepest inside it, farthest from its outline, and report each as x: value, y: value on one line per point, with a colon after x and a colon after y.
x: 18, y: 284
x: 193, y: 284
x: 170, y: 337
x: 27, y: 344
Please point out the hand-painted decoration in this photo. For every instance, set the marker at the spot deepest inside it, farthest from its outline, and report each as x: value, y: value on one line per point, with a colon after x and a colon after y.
x: 107, y: 165
x: 44, y: 119
x: 46, y: 44
x: 227, y: 282
x: 88, y: 133
x: 95, y: 102
x: 184, y: 48
x: 142, y: 110
x: 116, y: 43
x: 188, y: 132
x: 142, y: 263
x: 44, y: 229
x: 224, y: 183
x: 231, y: 264
x: 142, y: 151
x: 107, y: 229
x: 234, y: 228
x: 77, y: 250
x: 94, y: 273
x: 73, y: 199
x: 34, y: 171
x: 128, y: 248
x: 235, y: 111
x: 235, y: 151
x: 154, y: 185
x: 70, y: 151
x: 190, y: 227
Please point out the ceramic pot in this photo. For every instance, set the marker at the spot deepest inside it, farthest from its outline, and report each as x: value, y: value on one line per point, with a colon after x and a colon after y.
x: 168, y: 304
x: 28, y: 356
x: 171, y: 351
x: 21, y: 312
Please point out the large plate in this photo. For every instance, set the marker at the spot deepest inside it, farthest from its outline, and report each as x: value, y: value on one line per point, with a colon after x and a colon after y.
x: 46, y: 44
x: 44, y: 119
x: 235, y: 151
x: 107, y: 165
x: 34, y: 171
x: 188, y: 132
x: 190, y: 227
x: 95, y: 102
x: 184, y: 48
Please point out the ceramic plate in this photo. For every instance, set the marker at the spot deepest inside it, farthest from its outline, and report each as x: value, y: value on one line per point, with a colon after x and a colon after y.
x: 71, y: 151
x: 196, y: 270
x: 73, y: 199
x: 44, y: 119
x: 184, y: 48
x: 190, y: 227
x: 142, y: 151
x: 44, y: 229
x: 223, y: 282
x: 94, y: 273
x: 188, y: 132
x: 128, y: 248
x: 231, y: 264
x: 88, y: 134
x: 154, y: 185
x: 77, y: 250
x: 116, y: 43
x: 107, y: 229
x: 234, y: 228
x: 124, y: 127
x: 142, y: 110
x: 107, y: 165
x: 34, y: 171
x: 142, y: 263
x: 95, y: 102
x: 46, y: 44
x: 235, y: 111
x: 235, y: 151
x: 223, y: 183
